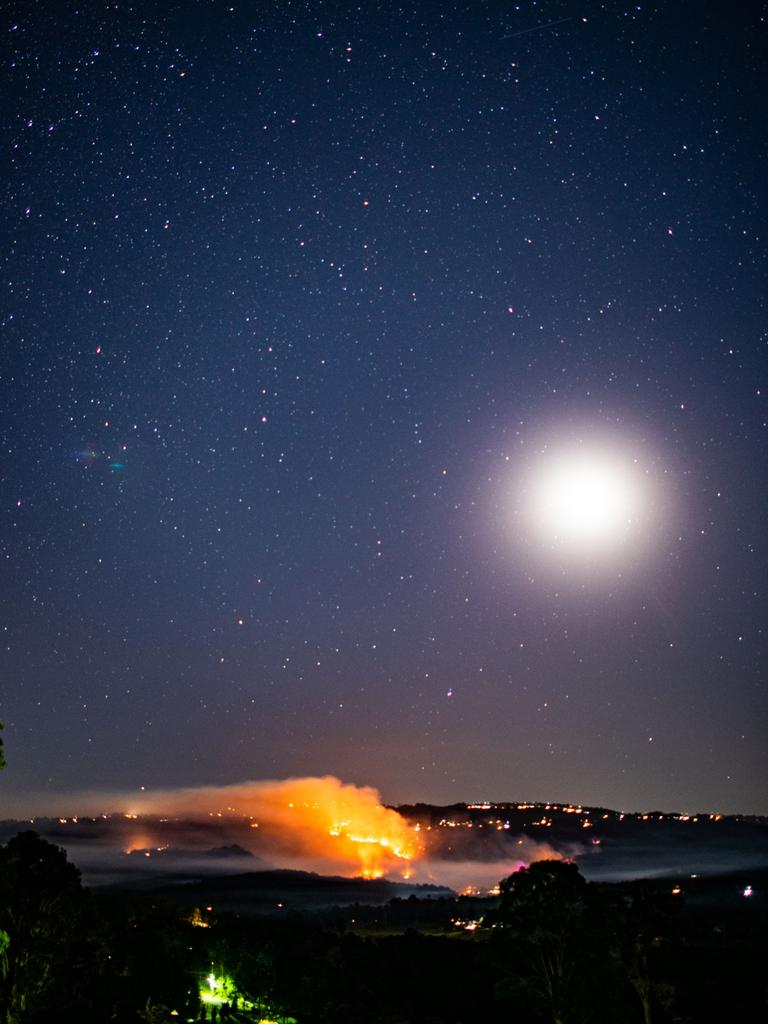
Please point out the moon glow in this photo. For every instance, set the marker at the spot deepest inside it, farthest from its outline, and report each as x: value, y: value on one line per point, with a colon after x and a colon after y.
x: 586, y: 503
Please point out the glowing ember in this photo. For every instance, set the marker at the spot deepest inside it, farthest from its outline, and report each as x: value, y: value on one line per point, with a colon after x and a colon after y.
x: 376, y: 851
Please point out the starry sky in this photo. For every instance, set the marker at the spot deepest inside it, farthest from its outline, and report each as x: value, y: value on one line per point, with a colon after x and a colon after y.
x: 292, y: 293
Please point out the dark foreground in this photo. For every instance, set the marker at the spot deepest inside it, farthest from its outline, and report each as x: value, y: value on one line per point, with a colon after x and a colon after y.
x: 551, y: 947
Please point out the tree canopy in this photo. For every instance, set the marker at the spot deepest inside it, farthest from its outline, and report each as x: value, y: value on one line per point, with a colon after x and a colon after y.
x: 40, y: 895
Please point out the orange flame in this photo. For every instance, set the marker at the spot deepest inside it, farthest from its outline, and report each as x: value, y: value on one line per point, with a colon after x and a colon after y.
x: 321, y: 821
x: 374, y: 851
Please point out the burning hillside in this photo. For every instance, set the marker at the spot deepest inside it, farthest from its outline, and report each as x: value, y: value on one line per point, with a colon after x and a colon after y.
x: 322, y: 822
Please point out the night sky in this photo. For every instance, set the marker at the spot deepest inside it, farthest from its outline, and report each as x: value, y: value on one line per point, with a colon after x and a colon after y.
x: 295, y: 297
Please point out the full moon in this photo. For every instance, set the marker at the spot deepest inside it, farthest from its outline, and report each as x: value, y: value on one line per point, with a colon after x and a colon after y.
x: 586, y: 502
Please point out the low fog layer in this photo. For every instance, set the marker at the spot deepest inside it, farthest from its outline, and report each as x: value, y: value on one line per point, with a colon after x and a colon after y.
x: 313, y: 824
x: 326, y: 826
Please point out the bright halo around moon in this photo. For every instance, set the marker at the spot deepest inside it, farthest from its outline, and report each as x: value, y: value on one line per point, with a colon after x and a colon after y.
x: 586, y: 503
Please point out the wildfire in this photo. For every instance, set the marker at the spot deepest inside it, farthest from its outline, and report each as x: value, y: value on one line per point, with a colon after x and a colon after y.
x: 349, y: 824
x: 139, y: 841
x: 375, y: 852
x: 323, y: 823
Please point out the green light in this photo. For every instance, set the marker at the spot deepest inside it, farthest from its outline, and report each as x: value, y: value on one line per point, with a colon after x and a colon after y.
x: 217, y: 990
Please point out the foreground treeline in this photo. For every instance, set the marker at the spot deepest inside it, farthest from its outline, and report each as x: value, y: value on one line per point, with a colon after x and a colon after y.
x: 553, y: 948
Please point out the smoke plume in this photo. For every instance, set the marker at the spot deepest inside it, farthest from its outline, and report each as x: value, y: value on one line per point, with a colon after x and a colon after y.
x: 316, y: 824
x: 319, y: 822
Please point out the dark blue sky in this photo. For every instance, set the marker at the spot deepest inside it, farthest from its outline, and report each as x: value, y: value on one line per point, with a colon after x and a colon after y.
x: 291, y: 294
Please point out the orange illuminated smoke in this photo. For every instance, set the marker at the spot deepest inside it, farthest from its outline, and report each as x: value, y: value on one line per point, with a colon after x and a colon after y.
x: 323, y: 823
x: 345, y: 824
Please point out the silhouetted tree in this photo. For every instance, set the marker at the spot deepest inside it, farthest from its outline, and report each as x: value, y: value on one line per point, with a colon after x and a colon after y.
x: 543, y: 914
x: 40, y: 897
x: 640, y: 917
x: 5, y: 938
